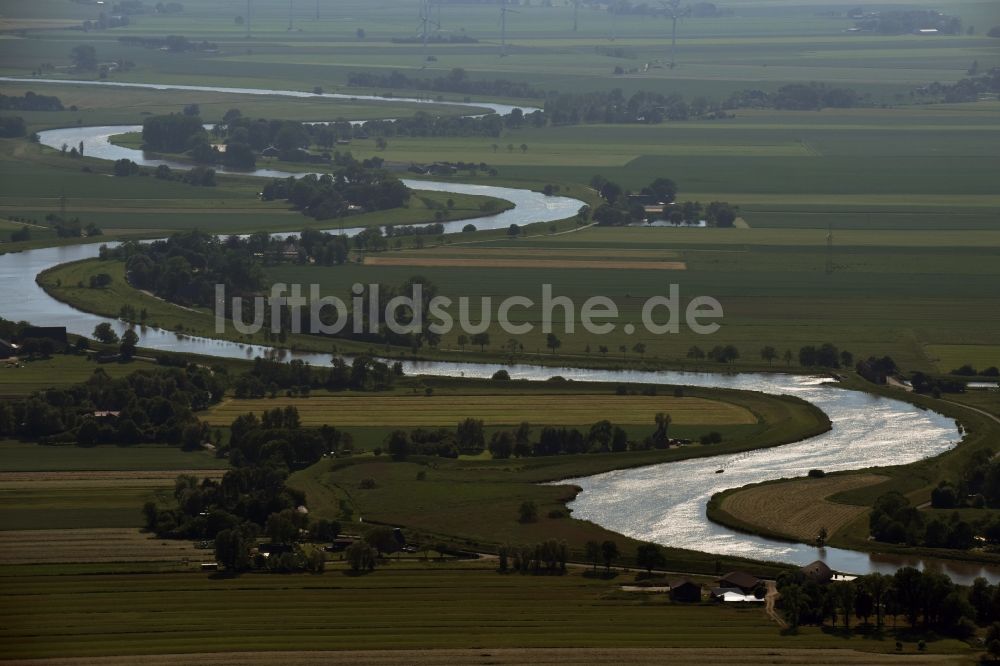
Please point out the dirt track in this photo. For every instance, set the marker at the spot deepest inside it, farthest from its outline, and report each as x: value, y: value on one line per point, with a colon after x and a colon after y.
x: 770, y: 599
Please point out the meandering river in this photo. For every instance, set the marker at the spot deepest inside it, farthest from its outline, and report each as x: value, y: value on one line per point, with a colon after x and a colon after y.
x: 661, y: 503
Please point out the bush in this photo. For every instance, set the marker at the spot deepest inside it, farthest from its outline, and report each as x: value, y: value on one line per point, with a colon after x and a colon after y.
x: 711, y: 438
x: 12, y: 127
x: 817, y: 473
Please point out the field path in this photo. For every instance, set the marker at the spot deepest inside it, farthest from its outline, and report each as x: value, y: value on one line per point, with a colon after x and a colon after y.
x: 770, y: 599
x: 975, y: 409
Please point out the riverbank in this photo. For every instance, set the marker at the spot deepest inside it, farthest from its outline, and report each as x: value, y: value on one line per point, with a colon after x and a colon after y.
x: 915, y: 481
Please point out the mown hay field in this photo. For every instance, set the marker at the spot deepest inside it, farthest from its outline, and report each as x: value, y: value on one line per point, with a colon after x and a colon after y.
x: 797, y: 508
x: 447, y: 410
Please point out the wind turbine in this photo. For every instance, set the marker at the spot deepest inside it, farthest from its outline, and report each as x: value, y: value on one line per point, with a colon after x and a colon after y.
x: 248, y: 19
x: 576, y: 14
x: 673, y: 10
x: 504, y: 10
x: 290, y: 10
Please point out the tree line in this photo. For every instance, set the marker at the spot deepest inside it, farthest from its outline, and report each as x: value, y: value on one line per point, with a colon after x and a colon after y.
x: 363, y: 373
x: 30, y: 102
x: 925, y: 599
x: 469, y: 438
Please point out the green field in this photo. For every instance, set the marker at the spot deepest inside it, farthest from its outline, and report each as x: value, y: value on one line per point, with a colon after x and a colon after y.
x: 761, y: 44
x: 360, y: 410
x: 52, y: 501
x: 891, y: 292
x: 27, y: 457
x: 18, y: 379
x: 448, y: 606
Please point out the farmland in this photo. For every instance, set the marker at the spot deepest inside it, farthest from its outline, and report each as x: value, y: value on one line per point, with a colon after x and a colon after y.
x: 27, y: 457
x: 461, y: 606
x: 82, y: 545
x: 495, y: 410
x: 37, y: 374
x: 891, y: 292
x: 98, y: 499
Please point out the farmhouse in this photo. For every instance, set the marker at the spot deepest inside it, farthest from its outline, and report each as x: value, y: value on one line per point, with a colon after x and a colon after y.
x: 685, y: 590
x: 740, y: 580
x: 817, y: 572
